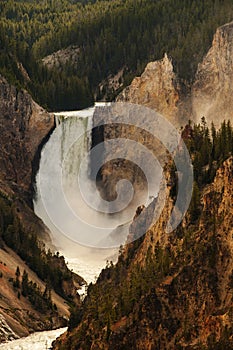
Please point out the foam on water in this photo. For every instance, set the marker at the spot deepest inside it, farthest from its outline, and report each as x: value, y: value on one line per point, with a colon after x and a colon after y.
x: 35, y: 341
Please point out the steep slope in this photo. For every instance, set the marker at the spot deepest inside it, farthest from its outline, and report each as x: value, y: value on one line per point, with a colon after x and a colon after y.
x: 157, y: 88
x: 28, y: 297
x: 24, y: 126
x: 171, y: 291
x: 167, y: 291
x: 210, y: 94
x: 212, y: 90
x: 20, y: 316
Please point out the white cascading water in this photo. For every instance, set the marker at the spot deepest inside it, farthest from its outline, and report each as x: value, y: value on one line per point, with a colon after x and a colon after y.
x: 35, y: 341
x: 83, y: 260
x: 75, y: 227
x: 78, y: 242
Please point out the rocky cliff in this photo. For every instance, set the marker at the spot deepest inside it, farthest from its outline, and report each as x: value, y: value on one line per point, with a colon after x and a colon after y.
x: 212, y: 90
x: 160, y: 89
x: 210, y: 94
x: 167, y: 291
x: 121, y: 161
x: 157, y: 88
x: 24, y: 128
x: 170, y: 291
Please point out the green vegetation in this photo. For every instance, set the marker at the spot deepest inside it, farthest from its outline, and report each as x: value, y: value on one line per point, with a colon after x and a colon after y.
x: 40, y: 300
x: 132, y: 291
x: 110, y: 35
x: 208, y: 149
x: 51, y: 268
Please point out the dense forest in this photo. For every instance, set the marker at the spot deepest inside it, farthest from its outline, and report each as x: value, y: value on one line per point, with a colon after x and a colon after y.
x: 110, y: 36
x: 49, y: 267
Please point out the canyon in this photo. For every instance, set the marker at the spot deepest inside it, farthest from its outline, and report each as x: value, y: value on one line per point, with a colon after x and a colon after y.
x: 197, y: 287
x: 169, y: 290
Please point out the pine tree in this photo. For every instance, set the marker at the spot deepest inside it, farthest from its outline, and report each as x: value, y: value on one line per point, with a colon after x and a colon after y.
x: 17, y: 274
x: 25, y: 284
x: 194, y: 208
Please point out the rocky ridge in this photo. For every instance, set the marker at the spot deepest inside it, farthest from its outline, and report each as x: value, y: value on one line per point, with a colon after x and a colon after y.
x: 24, y: 126
x: 159, y: 88
x: 210, y: 94
x: 188, y: 301
x: 212, y: 89
x: 156, y: 88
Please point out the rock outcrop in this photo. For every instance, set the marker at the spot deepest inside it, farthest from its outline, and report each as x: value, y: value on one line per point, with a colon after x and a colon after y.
x: 211, y: 92
x: 157, y: 88
x: 62, y: 57
x: 24, y: 126
x: 182, y: 282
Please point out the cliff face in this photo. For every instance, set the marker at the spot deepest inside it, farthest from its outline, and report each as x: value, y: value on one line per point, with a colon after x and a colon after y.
x: 211, y: 92
x: 157, y: 88
x: 120, y: 160
x: 23, y: 126
x: 182, y: 283
x: 170, y: 291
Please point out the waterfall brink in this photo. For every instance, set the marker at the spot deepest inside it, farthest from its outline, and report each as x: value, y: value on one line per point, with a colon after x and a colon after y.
x: 62, y: 154
x: 80, y: 229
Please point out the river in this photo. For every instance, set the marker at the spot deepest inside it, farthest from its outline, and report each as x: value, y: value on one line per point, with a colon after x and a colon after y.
x: 35, y: 341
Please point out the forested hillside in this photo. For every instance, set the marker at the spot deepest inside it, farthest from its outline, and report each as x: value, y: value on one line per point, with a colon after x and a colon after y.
x: 110, y: 35
x: 171, y: 291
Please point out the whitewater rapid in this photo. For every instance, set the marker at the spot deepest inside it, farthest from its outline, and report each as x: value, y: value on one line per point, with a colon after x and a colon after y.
x: 35, y: 341
x: 78, y: 231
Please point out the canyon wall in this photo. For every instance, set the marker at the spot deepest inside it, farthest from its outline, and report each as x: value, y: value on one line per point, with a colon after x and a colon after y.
x: 210, y: 95
x: 157, y: 88
x: 181, y: 281
x: 24, y: 126
x: 212, y: 90
x: 170, y: 290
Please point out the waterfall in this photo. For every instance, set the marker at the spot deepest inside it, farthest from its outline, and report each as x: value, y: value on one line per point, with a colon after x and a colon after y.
x: 62, y: 155
x: 78, y: 228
